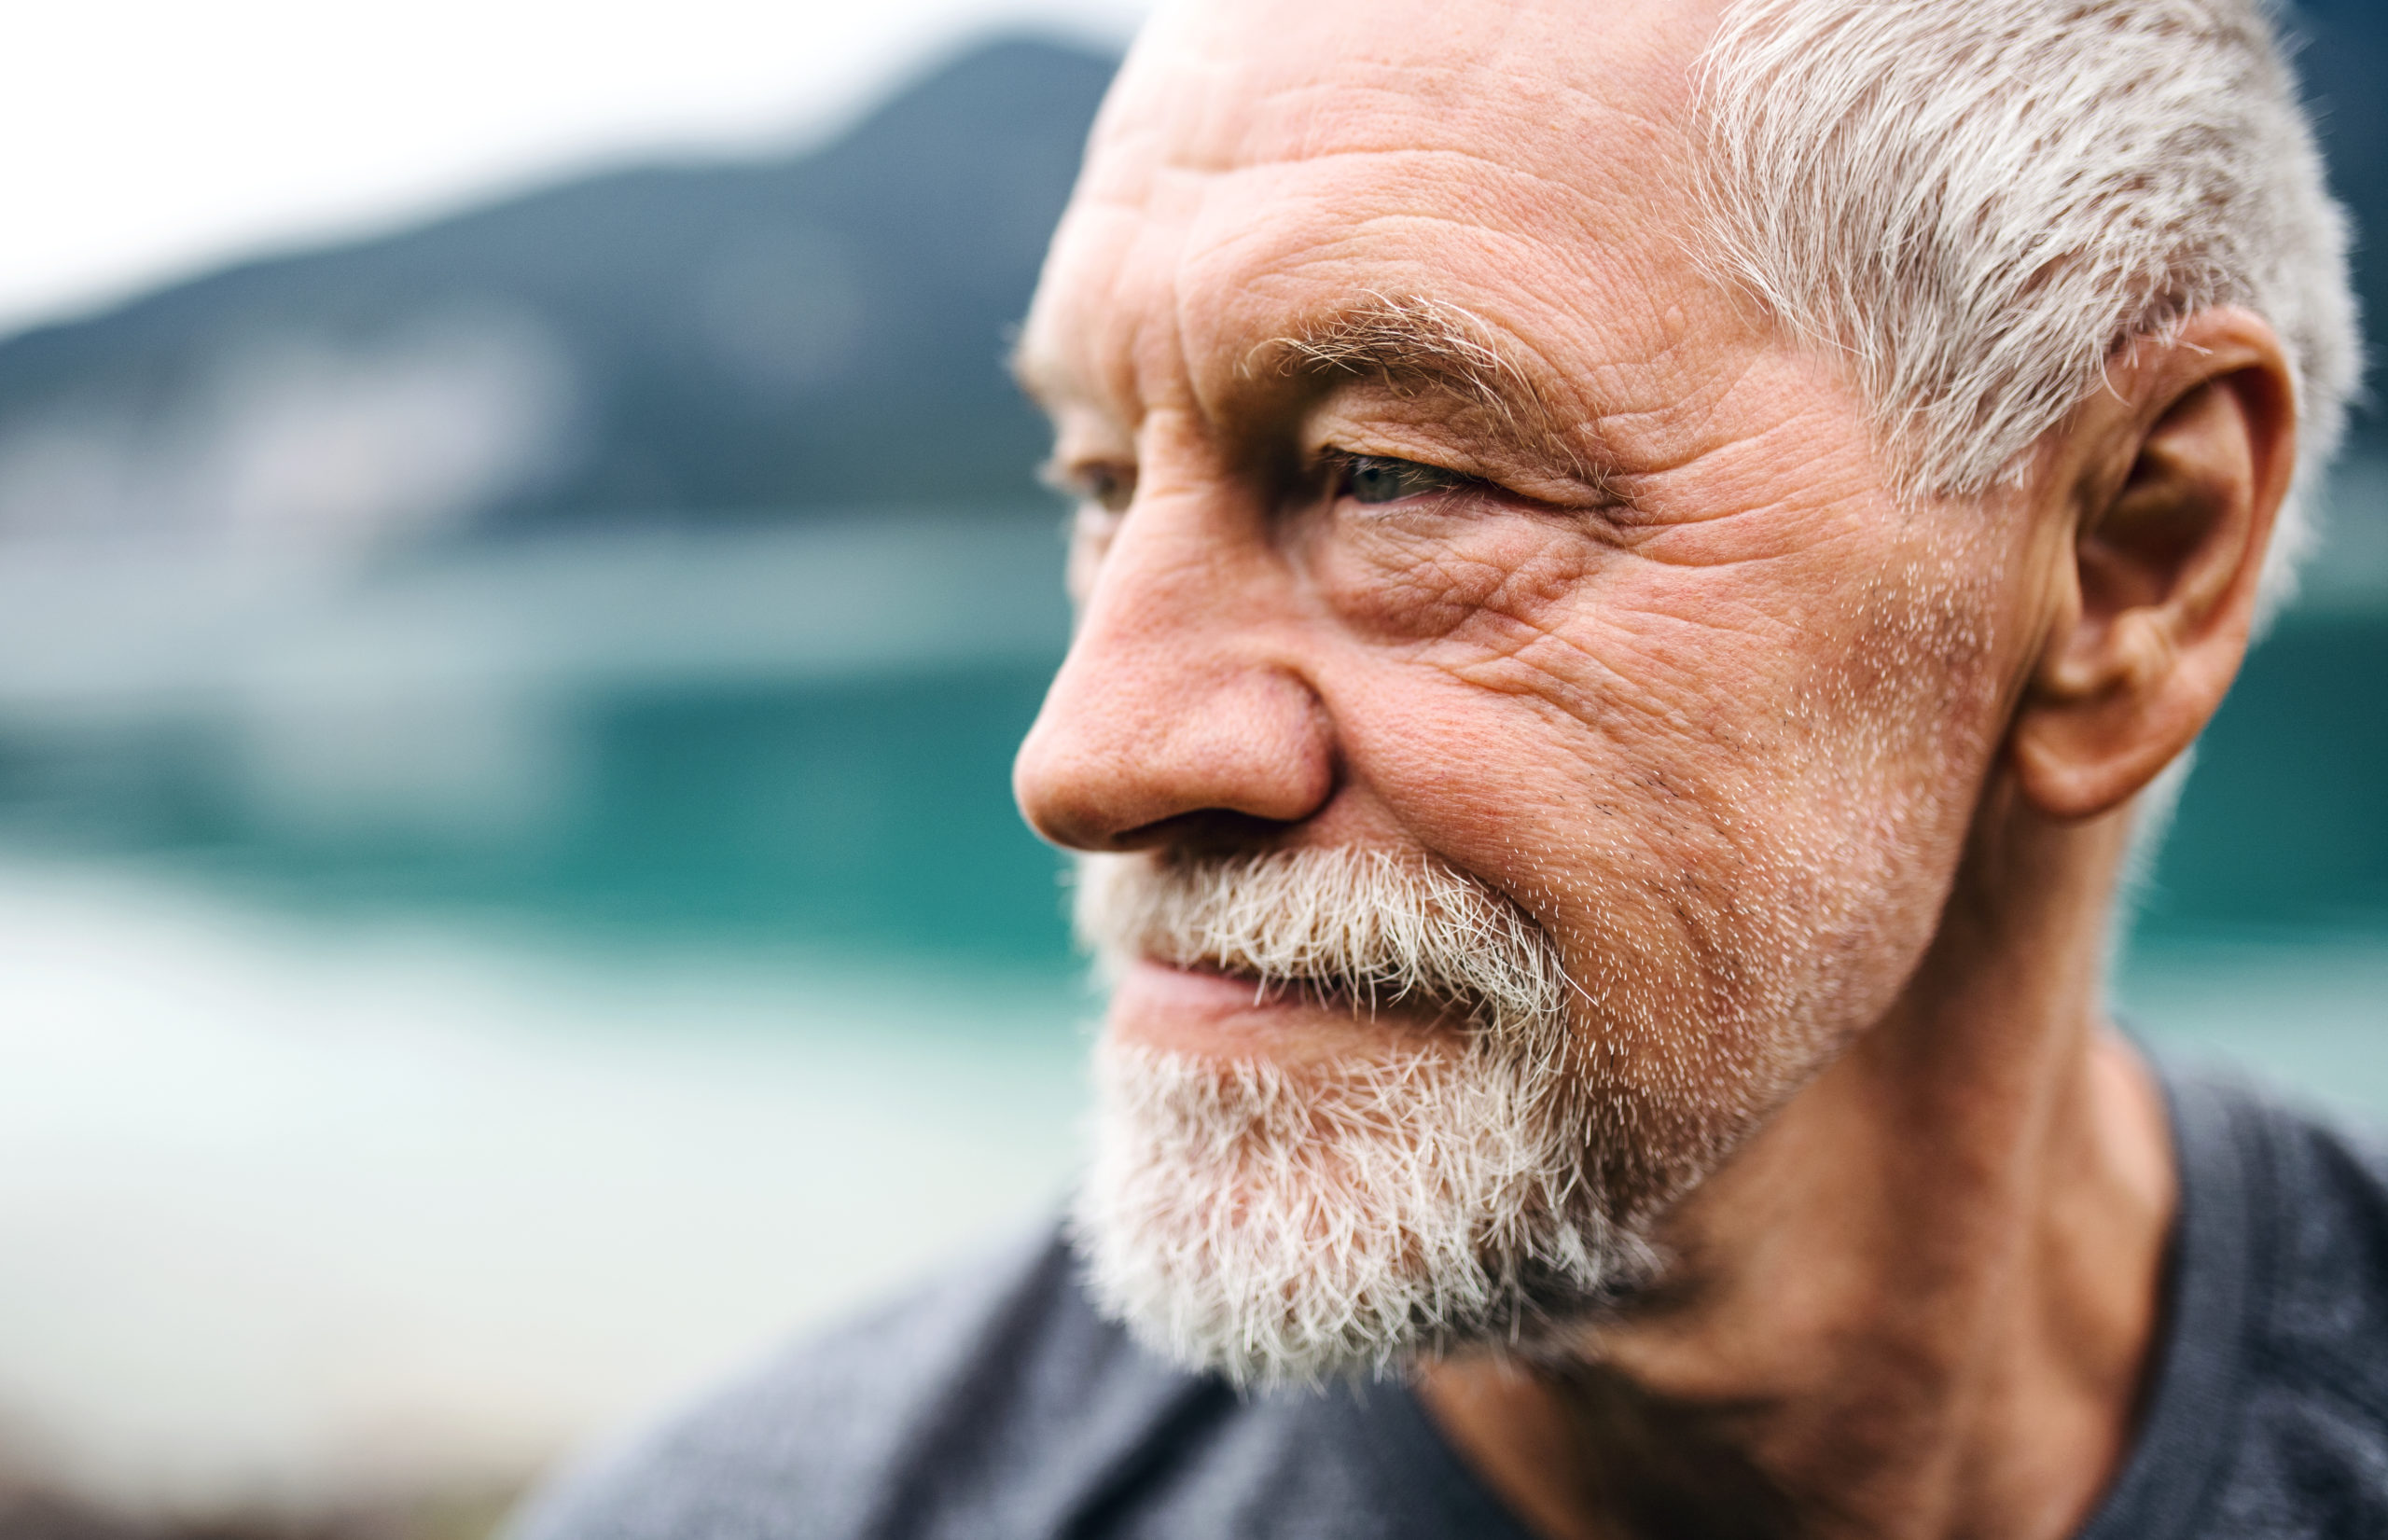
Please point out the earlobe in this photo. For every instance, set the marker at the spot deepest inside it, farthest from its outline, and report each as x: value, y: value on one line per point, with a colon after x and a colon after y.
x: 2181, y: 471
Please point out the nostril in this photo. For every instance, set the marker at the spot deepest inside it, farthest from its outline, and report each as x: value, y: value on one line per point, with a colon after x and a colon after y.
x: 1208, y: 831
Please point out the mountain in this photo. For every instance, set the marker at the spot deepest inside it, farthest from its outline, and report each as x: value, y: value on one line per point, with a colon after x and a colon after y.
x: 820, y: 330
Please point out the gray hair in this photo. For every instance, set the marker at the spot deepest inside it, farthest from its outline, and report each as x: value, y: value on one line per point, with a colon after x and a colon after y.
x: 1983, y: 201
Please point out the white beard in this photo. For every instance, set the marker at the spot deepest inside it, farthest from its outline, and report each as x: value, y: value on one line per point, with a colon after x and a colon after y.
x: 1280, y: 1227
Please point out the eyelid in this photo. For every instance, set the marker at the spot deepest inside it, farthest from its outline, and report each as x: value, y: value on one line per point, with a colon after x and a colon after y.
x: 1107, y: 483
x: 1335, y: 468
x: 1611, y: 506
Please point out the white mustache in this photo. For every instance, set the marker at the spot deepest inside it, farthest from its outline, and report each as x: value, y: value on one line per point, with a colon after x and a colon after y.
x: 1377, y: 927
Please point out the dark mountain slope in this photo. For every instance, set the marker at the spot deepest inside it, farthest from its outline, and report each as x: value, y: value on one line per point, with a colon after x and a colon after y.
x: 822, y: 329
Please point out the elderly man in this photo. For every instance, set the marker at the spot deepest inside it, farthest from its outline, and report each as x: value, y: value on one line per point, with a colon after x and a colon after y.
x: 1638, y: 563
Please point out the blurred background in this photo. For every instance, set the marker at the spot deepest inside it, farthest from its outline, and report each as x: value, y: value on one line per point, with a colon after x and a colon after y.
x: 520, y: 581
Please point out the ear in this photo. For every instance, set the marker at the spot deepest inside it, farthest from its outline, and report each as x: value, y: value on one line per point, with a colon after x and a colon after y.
x: 2174, y: 478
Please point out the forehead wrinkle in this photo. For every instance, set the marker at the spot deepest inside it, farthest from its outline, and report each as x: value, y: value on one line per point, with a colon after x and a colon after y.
x: 1095, y: 345
x: 1408, y: 341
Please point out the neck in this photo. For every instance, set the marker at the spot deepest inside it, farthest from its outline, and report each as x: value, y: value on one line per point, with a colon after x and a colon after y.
x: 1921, y: 1302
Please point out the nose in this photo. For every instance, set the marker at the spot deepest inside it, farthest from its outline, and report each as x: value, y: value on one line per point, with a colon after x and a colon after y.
x: 1182, y: 699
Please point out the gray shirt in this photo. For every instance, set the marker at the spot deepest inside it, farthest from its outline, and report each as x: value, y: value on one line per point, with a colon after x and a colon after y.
x: 997, y: 1404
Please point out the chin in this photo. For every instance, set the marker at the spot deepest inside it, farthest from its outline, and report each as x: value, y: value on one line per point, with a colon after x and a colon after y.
x: 1280, y: 1226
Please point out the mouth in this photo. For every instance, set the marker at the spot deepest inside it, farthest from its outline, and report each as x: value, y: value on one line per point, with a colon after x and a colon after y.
x: 1220, y: 1011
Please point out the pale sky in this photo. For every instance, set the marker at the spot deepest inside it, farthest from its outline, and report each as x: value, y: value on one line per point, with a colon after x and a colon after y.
x: 140, y: 140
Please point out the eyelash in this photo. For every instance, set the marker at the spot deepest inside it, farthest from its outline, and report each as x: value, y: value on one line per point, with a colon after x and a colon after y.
x: 1106, y: 487
x: 1343, y: 468
x: 1110, y: 488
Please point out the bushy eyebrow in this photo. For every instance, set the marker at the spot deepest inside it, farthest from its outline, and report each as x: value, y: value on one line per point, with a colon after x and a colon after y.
x: 1399, y: 336
x: 1402, y: 339
x: 1410, y: 341
x: 1408, y: 344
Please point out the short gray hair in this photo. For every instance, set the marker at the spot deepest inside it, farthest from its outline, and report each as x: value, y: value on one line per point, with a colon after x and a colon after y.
x: 1983, y: 201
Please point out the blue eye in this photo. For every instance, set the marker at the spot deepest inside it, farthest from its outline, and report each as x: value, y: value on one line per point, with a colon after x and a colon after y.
x: 1371, y: 478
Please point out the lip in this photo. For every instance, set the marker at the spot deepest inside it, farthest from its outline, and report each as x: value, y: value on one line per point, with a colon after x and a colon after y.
x: 1186, y: 1011
x: 1190, y: 1011
x: 1165, y: 983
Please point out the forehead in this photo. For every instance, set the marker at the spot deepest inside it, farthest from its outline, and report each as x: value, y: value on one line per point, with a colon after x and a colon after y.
x: 1260, y: 166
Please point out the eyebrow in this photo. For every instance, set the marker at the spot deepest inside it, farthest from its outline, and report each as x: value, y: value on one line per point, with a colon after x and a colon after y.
x: 1399, y: 338
x: 1408, y: 342
x: 1412, y: 340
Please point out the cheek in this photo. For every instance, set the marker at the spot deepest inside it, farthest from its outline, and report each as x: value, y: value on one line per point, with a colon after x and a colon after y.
x: 1840, y: 657
x: 1735, y: 795
x: 1567, y: 671
x: 1646, y: 842
x: 1486, y: 583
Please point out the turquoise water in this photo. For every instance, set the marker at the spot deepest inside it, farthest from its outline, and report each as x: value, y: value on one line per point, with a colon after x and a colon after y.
x: 878, y: 809
x: 2285, y: 824
x: 2263, y: 939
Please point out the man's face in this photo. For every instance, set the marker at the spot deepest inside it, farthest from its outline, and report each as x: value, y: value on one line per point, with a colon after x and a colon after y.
x: 1437, y: 507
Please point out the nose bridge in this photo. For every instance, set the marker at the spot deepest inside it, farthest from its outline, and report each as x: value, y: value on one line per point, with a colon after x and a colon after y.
x: 1183, y: 691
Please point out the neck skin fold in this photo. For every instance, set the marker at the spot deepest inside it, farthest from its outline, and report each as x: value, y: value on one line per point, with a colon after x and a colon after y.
x: 1924, y: 1299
